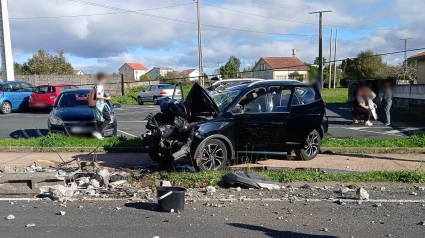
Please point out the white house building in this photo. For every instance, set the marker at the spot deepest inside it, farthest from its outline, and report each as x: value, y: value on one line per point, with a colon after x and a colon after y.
x: 158, y: 71
x: 192, y: 74
x: 132, y: 71
x: 280, y: 68
x: 79, y: 72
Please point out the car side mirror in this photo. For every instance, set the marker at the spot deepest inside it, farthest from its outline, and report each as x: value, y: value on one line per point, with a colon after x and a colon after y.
x: 237, y: 110
x: 116, y: 105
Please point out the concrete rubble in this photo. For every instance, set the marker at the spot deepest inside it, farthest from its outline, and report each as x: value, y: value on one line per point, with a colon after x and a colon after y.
x: 10, y: 217
x: 362, y: 194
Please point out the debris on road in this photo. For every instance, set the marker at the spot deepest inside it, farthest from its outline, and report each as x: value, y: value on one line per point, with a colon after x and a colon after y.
x: 60, y: 193
x: 10, y: 217
x: 248, y: 179
x: 30, y: 225
x: 362, y: 194
x: 413, y: 193
x: 344, y: 190
x: 210, y: 190
x: 61, y: 213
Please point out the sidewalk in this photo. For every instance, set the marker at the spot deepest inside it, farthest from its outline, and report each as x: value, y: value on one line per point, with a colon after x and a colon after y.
x: 354, y: 162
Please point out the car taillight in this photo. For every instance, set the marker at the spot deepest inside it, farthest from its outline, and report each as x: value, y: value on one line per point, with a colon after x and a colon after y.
x: 179, y: 92
x: 1, y: 92
x: 163, y: 92
x: 53, y: 96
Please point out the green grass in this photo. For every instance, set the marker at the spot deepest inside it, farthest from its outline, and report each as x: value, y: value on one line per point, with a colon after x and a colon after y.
x: 337, y: 95
x: 130, y: 97
x: 202, y: 179
x: 412, y: 141
x: 58, y: 140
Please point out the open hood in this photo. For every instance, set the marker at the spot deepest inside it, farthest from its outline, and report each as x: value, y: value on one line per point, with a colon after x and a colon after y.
x: 199, y: 101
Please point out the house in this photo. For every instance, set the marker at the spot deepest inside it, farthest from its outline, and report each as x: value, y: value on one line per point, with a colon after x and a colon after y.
x: 217, y: 74
x: 420, y: 66
x: 192, y: 74
x: 79, y: 72
x: 280, y: 68
x: 158, y: 71
x: 133, y: 71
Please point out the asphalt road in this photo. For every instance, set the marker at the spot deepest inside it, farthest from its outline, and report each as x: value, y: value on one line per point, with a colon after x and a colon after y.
x: 268, y: 217
x: 131, y: 123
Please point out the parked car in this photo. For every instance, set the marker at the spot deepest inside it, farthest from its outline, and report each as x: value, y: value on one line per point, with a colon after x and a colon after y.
x: 256, y: 120
x: 227, y: 83
x: 14, y: 95
x: 154, y: 92
x: 72, y: 116
x: 44, y: 96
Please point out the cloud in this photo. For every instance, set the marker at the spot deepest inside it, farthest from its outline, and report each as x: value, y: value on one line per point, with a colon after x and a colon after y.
x: 110, y: 40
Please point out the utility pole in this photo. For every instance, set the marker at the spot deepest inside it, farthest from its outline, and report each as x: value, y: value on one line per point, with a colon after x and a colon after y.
x: 336, y: 39
x: 320, y: 46
x: 330, y: 61
x: 218, y: 70
x: 6, y: 44
x: 405, y: 55
x: 201, y: 64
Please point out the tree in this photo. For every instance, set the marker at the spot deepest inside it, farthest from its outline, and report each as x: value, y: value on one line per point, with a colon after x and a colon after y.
x: 43, y: 63
x: 160, y: 78
x: 367, y: 65
x: 144, y: 77
x: 172, y: 75
x: 231, y: 68
x: 205, y: 76
x: 313, y: 72
x: 316, y: 61
x: 21, y: 69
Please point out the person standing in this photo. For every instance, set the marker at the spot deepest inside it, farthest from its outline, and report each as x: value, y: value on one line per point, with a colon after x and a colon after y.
x: 387, y: 101
x: 101, y: 111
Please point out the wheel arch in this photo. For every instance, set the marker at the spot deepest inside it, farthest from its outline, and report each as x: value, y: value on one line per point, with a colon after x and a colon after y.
x: 8, y: 101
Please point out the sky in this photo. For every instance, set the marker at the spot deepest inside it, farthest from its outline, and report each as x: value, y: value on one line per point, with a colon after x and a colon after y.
x: 101, y: 35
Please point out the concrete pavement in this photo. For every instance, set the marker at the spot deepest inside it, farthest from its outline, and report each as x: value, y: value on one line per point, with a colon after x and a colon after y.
x: 346, y: 162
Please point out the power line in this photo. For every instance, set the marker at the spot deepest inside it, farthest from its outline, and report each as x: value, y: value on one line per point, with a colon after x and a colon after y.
x: 185, y: 21
x: 276, y: 4
x: 99, y: 14
x: 300, y: 22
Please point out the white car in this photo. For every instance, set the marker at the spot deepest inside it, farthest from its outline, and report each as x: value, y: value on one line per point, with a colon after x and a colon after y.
x: 219, y: 85
x: 154, y: 92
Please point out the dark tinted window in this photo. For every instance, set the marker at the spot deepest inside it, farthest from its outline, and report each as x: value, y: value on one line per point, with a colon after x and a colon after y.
x: 306, y: 95
x: 25, y: 87
x: 63, y: 88
x: 44, y: 89
x: 6, y: 88
x: 73, y: 100
x: 152, y: 88
x: 254, y: 101
x: 280, y: 99
x: 165, y: 87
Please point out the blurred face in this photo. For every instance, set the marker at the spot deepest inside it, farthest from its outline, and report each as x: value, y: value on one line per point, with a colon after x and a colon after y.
x: 103, y: 80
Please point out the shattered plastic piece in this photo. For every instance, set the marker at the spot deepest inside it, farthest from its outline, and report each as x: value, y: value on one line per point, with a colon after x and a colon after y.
x: 61, y: 213
x: 247, y: 179
x: 10, y: 217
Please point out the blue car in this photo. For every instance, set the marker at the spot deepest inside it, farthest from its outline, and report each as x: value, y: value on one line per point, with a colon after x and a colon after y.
x: 14, y: 95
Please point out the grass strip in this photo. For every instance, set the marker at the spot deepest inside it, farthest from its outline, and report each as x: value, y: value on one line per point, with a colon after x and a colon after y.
x: 337, y: 95
x: 412, y: 141
x: 195, y: 180
x: 58, y: 140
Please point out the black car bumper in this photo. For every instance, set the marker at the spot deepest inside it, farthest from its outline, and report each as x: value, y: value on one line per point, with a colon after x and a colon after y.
x: 82, y: 128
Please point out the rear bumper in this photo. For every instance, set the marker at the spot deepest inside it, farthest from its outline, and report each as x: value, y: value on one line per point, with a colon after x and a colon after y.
x: 82, y: 129
x: 40, y: 105
x: 170, y: 96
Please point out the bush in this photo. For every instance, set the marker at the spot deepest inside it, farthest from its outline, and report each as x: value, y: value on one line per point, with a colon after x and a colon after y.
x: 145, y: 77
x: 130, y: 97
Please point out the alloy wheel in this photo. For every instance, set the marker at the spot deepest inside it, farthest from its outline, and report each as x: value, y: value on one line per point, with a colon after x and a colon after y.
x: 212, y: 156
x: 6, y: 108
x: 312, y: 144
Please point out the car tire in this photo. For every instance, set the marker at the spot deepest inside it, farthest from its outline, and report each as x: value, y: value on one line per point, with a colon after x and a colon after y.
x: 211, y: 155
x: 155, y: 100
x: 140, y: 101
x: 6, y: 108
x: 153, y: 153
x: 311, y: 147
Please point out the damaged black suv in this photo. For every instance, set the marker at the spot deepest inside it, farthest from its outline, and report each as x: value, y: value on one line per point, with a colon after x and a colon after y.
x: 252, y: 120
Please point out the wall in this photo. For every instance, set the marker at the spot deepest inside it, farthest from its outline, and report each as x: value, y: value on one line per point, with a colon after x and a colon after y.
x: 286, y: 74
x: 84, y: 81
x: 409, y: 96
x: 262, y: 74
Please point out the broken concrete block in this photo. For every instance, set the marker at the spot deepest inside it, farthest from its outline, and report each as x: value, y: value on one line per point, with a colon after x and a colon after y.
x: 10, y: 217
x: 94, y: 183
x: 117, y: 183
x: 344, y: 190
x: 30, y: 225
x: 60, y: 193
x: 210, y: 190
x: 362, y: 194
x: 61, y: 213
x: 83, y: 181
x: 165, y: 183
x: 238, y: 189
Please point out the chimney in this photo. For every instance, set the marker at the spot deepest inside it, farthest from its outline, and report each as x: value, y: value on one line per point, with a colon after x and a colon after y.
x: 294, y: 53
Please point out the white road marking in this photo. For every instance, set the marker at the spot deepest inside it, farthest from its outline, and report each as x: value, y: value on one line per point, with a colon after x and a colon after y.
x: 343, y: 108
x: 127, y: 133
x: 38, y: 132
x: 405, y: 130
x: 25, y: 133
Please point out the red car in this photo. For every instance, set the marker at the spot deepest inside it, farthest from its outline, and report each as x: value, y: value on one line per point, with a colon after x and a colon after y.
x: 44, y: 96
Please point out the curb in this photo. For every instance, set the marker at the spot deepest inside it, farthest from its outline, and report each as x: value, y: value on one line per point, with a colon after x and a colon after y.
x: 373, y: 150
x: 324, y: 150
x: 19, y: 149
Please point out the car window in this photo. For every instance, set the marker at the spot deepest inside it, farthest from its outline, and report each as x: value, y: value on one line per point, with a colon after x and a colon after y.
x: 280, y: 98
x: 6, y: 87
x: 63, y: 88
x: 254, y: 101
x: 25, y: 87
x: 306, y: 95
x: 153, y: 88
x: 148, y: 88
x: 165, y: 87
x: 73, y: 100
x: 44, y: 89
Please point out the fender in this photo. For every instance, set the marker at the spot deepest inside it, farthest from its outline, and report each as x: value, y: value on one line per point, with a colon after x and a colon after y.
x: 216, y: 136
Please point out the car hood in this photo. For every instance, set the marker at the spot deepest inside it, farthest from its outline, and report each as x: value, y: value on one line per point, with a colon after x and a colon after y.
x: 199, y: 101
x: 74, y: 113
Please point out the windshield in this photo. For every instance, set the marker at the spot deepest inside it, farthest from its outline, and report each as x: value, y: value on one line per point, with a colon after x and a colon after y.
x: 223, y: 99
x: 165, y: 87
x: 44, y: 89
x: 73, y: 99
